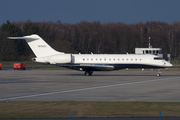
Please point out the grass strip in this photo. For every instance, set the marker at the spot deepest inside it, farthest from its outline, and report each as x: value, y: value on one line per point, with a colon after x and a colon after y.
x: 60, y: 109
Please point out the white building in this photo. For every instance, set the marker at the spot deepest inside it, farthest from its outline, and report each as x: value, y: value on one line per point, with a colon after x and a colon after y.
x: 154, y: 51
x: 151, y: 50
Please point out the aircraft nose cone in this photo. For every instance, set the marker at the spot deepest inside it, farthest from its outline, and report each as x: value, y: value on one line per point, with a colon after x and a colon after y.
x: 169, y: 64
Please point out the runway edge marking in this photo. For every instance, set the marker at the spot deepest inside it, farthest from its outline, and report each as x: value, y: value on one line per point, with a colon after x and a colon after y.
x: 83, y: 89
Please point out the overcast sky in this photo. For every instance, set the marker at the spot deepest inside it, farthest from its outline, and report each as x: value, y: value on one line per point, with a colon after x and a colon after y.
x: 75, y: 11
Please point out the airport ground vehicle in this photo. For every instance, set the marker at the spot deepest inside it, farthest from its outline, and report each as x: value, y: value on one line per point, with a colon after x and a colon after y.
x: 19, y: 66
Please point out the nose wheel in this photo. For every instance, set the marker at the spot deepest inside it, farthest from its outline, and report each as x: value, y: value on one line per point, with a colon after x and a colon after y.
x: 88, y: 73
x: 158, y: 73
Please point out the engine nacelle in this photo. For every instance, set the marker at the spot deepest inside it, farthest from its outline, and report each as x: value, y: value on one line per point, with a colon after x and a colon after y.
x: 55, y: 59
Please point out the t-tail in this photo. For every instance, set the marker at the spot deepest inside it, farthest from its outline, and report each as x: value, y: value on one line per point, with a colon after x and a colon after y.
x: 43, y: 52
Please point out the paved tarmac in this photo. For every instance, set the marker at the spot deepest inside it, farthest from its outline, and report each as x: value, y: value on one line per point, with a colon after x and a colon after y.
x: 69, y: 85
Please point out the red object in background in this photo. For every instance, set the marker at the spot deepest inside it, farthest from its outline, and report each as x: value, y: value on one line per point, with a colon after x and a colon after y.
x: 19, y: 66
x: 0, y: 66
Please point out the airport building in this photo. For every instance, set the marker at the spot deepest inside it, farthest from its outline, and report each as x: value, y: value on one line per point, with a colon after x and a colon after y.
x: 154, y: 51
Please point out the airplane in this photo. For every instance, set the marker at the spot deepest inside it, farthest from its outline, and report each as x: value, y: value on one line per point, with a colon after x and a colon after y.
x: 91, y: 62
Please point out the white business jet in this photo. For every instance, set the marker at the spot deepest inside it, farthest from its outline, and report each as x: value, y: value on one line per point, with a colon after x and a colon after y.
x: 90, y: 62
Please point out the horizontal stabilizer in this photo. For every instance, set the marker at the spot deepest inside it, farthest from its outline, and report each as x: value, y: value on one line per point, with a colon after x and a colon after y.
x: 27, y: 38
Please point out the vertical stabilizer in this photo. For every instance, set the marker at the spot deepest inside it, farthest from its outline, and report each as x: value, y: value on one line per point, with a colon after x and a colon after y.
x: 38, y: 45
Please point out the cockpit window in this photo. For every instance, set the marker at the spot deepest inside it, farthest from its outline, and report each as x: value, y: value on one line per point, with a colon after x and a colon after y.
x: 158, y: 58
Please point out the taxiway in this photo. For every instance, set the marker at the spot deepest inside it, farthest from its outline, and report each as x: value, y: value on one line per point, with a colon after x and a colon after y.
x: 68, y: 85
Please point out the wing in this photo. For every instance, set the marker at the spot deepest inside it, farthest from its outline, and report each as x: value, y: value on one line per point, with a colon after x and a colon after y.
x: 88, y: 67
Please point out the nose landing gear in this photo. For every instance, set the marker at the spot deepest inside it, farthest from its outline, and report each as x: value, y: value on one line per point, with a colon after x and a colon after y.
x: 158, y: 73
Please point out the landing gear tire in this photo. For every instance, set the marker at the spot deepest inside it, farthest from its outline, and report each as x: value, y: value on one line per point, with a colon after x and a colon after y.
x: 88, y: 73
x: 158, y: 74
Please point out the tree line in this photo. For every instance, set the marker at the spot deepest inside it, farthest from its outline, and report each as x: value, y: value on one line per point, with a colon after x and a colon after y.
x: 86, y: 37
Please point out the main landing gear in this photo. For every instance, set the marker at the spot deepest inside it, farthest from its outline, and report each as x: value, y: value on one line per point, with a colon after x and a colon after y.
x: 88, y: 73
